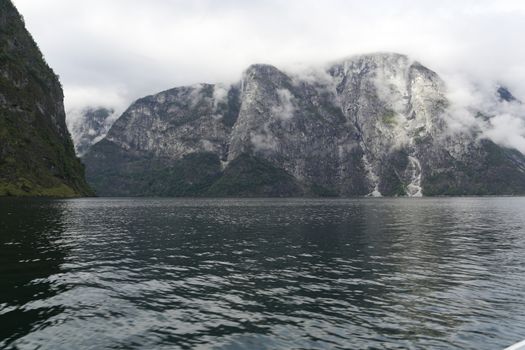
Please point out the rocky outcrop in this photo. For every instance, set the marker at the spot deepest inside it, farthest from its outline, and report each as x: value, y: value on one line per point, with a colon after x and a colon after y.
x: 368, y: 125
x: 36, y: 153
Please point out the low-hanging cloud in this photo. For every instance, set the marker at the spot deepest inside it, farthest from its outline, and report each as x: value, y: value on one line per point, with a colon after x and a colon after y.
x: 284, y: 109
x: 477, y: 107
x: 113, y: 52
x: 507, y: 130
x: 264, y: 140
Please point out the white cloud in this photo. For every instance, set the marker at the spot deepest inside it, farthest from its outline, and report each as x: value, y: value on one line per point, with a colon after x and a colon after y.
x: 284, y: 110
x: 220, y: 94
x: 80, y: 96
x: 113, y: 52
x: 264, y: 141
x: 477, y: 107
x: 507, y: 130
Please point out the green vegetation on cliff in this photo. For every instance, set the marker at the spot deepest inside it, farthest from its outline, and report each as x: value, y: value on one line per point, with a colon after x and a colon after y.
x: 36, y: 152
x: 249, y: 176
x: 500, y: 172
x: 121, y: 174
x: 118, y: 173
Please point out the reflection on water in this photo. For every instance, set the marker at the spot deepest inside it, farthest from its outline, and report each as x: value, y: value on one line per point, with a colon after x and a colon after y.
x: 28, y: 257
x: 235, y: 274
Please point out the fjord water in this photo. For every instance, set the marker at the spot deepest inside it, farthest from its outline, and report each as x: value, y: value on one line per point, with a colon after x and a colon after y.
x: 446, y: 273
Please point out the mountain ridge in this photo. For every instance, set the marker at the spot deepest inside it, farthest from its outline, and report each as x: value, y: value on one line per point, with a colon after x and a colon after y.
x: 366, y: 125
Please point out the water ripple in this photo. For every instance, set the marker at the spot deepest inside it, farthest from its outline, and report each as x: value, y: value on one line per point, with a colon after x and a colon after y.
x: 265, y: 274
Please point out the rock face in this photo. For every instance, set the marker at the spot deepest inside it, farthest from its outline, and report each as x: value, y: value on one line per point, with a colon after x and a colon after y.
x: 36, y: 152
x: 89, y: 126
x: 369, y: 125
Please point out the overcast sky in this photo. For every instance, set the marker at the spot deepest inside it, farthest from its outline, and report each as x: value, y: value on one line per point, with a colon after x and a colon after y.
x: 110, y: 52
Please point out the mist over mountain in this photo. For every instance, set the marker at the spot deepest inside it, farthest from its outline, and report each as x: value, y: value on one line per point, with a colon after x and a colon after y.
x: 369, y: 125
x: 89, y: 125
x: 112, y: 53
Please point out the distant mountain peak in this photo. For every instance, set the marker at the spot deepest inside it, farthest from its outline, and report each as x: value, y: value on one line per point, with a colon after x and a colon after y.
x: 372, y: 124
x: 89, y: 125
x: 505, y: 95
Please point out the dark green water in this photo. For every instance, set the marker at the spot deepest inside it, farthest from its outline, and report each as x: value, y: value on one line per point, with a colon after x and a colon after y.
x: 262, y: 274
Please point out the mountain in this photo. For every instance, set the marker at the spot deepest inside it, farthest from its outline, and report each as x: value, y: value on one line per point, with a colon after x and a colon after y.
x: 89, y: 126
x: 367, y: 125
x: 36, y: 152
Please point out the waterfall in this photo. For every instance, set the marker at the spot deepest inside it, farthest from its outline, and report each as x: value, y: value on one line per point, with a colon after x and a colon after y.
x: 414, y: 169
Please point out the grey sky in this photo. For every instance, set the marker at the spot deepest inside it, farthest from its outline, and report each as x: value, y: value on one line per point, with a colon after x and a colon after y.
x: 110, y: 52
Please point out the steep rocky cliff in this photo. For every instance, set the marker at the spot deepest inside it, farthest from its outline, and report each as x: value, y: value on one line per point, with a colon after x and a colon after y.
x: 368, y: 125
x: 36, y: 152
